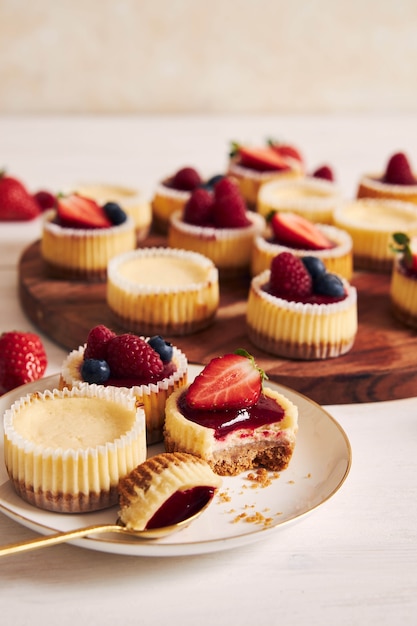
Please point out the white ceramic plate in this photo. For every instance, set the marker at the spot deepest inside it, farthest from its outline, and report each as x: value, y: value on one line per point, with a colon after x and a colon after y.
x: 242, y: 513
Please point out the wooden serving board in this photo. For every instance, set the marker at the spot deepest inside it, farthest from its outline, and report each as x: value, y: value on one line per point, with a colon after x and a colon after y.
x: 382, y: 364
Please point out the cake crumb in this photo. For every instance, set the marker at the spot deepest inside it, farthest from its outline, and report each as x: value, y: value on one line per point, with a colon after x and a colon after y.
x: 308, y: 475
x: 261, y: 477
x: 224, y: 496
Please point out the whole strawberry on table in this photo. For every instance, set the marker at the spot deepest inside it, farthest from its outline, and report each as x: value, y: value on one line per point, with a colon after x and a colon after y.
x: 17, y: 204
x: 22, y: 359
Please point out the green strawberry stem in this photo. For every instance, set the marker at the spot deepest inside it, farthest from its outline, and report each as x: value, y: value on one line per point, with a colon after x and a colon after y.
x: 234, y: 149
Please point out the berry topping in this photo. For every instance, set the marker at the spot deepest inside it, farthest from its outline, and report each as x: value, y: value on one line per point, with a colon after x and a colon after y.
x: 75, y: 211
x: 45, y: 199
x: 222, y: 208
x: 186, y: 179
x: 260, y: 159
x: 296, y: 231
x: 162, y: 347
x: 227, y: 382
x: 408, y: 248
x: 314, y: 266
x: 198, y: 208
x: 16, y: 203
x: 95, y: 371
x: 22, y: 359
x: 286, y: 150
x: 328, y: 284
x: 130, y: 356
x: 229, y: 209
x: 398, y: 171
x: 325, y: 172
x: 211, y: 182
x: 97, y: 342
x: 289, y: 277
x: 115, y: 213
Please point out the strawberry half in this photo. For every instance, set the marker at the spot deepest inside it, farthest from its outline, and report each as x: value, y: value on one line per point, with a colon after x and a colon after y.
x: 262, y: 159
x: 231, y: 381
x: 75, y: 211
x: 295, y: 231
x: 286, y: 150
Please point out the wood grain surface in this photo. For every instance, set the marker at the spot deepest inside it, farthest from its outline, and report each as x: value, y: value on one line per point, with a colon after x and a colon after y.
x: 382, y: 364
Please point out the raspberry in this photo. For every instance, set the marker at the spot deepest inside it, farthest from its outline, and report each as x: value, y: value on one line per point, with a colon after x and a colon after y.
x: 289, y: 277
x: 186, y: 179
x: 229, y: 211
x: 130, y: 356
x: 226, y: 186
x: 398, y: 171
x: 325, y: 172
x: 198, y: 209
x: 45, y: 199
x: 97, y: 342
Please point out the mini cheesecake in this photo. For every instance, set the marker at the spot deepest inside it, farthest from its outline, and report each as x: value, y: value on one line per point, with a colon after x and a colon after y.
x: 163, y: 291
x: 234, y: 440
x: 65, y: 451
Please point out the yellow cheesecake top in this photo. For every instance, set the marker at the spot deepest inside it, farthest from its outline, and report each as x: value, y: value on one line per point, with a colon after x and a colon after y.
x: 73, y: 423
x: 377, y: 215
x: 159, y: 271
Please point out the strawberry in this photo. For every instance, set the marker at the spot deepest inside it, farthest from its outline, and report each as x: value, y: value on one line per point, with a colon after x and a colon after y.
x: 22, y: 359
x: 16, y: 203
x: 408, y: 248
x: 45, y: 199
x: 260, y: 159
x: 75, y: 211
x: 97, y: 342
x: 296, y: 231
x: 289, y: 277
x: 398, y: 171
x: 325, y: 172
x: 198, y: 208
x: 286, y: 150
x: 186, y: 179
x: 231, y: 381
x: 130, y: 356
x: 229, y: 210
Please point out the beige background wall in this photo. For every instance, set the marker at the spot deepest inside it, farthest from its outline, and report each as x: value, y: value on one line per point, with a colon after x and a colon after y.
x: 208, y: 56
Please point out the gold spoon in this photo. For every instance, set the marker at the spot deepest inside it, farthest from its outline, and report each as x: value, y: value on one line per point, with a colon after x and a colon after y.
x: 51, y: 540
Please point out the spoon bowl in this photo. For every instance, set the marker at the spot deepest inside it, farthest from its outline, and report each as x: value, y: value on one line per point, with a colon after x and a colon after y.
x: 96, y: 529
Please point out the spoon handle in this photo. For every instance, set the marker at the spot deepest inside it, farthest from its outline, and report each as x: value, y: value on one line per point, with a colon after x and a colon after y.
x: 51, y: 540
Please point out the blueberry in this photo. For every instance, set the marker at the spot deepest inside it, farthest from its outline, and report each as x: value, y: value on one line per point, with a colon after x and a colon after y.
x: 314, y: 266
x: 115, y: 213
x: 211, y: 182
x: 329, y: 285
x: 95, y: 371
x: 162, y: 347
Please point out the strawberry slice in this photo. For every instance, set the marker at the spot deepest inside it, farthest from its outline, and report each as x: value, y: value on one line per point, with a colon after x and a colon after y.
x: 295, y: 231
x: 262, y: 159
x: 286, y: 150
x: 75, y: 211
x: 231, y: 381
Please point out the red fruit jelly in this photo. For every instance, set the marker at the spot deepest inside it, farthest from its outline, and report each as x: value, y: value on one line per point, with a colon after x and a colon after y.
x: 265, y: 411
x: 181, y: 506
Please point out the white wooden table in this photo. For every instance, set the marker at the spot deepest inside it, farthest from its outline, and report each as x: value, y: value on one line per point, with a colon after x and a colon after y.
x: 354, y: 559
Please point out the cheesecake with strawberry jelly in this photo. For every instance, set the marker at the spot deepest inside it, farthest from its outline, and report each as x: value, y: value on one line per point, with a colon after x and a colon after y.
x: 218, y: 225
x: 299, y: 310
x: 171, y: 195
x: 149, y: 368
x: 397, y: 182
x: 403, y: 288
x: 131, y: 200
x: 229, y: 418
x: 370, y: 223
x: 166, y: 489
x: 163, y: 290
x: 253, y: 166
x: 79, y: 237
x: 66, y: 450
x: 290, y: 232
x: 313, y: 198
